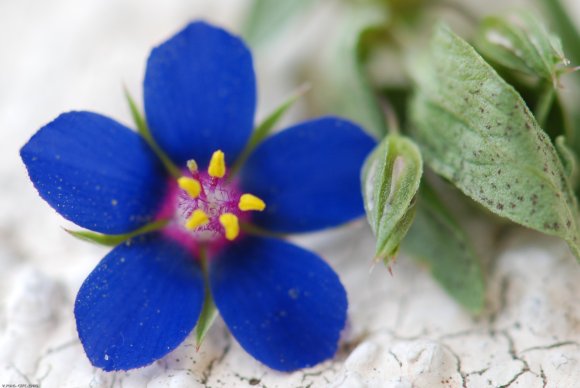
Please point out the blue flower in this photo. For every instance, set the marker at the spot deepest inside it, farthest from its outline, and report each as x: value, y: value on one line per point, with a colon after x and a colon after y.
x: 283, y: 304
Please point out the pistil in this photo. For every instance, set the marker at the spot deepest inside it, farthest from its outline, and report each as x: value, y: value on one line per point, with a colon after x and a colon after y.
x: 209, y: 205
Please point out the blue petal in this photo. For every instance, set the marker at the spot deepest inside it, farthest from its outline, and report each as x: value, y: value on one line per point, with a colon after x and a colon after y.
x: 95, y: 172
x: 284, y: 305
x: 308, y: 175
x: 200, y: 94
x: 139, y: 303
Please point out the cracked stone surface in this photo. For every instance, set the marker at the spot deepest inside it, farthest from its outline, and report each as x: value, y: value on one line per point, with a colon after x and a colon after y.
x: 403, y: 330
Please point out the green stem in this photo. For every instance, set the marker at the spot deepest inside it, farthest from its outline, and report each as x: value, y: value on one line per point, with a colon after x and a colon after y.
x: 545, y: 102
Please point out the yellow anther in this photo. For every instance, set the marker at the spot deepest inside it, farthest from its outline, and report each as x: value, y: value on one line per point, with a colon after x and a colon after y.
x: 192, y: 166
x: 197, y: 219
x: 190, y: 185
x: 217, y: 165
x: 231, y: 225
x: 251, y: 202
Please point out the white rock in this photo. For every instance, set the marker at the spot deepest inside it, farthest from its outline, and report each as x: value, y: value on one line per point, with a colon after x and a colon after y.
x: 403, y: 330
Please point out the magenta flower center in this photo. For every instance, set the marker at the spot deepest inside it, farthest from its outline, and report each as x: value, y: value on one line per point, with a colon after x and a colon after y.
x: 206, y: 208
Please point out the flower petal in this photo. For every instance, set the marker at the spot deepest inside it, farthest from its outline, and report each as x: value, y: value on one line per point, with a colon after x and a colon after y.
x: 139, y: 303
x: 308, y: 175
x: 284, y: 305
x: 95, y: 172
x: 200, y: 94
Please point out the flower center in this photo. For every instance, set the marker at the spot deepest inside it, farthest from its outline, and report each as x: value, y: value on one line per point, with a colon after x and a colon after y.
x: 208, y: 207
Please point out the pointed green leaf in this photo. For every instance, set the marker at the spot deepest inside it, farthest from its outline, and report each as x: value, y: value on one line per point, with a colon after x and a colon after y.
x: 342, y: 86
x: 206, y: 319
x: 143, y: 130
x: 519, y: 41
x: 390, y: 180
x: 437, y: 241
x: 266, y: 126
x: 562, y: 20
x: 112, y: 240
x: 476, y: 131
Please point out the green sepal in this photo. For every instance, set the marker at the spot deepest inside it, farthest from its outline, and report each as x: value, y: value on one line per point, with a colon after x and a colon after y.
x: 209, y: 311
x: 112, y: 240
x: 266, y: 126
x: 143, y: 130
x: 437, y: 241
x: 206, y: 318
x: 519, y: 41
x: 390, y: 179
x: 476, y: 131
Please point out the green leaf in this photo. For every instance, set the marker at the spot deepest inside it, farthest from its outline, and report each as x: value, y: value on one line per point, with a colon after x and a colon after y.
x: 341, y: 83
x: 143, y: 130
x: 569, y: 160
x: 390, y: 180
x: 437, y: 241
x: 112, y: 240
x: 519, y: 41
x: 267, y: 17
x: 563, y: 23
x: 209, y: 311
x: 265, y: 127
x: 206, y: 319
x: 476, y: 131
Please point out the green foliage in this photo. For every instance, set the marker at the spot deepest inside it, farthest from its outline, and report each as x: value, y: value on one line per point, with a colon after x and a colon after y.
x: 565, y: 27
x: 476, y: 131
x: 267, y: 17
x: 519, y: 41
x: 569, y: 161
x: 390, y: 180
x: 143, y: 130
x: 342, y: 83
x: 437, y: 241
x: 266, y: 126
x: 209, y: 311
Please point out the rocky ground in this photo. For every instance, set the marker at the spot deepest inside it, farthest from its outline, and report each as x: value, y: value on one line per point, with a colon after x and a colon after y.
x: 403, y: 330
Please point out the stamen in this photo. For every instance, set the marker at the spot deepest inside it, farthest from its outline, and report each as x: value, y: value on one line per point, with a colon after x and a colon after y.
x: 192, y: 166
x: 251, y: 202
x: 217, y: 165
x: 190, y: 185
x: 197, y: 219
x: 231, y: 225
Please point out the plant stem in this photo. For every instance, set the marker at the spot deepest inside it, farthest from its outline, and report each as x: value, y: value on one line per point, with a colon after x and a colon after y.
x: 545, y: 102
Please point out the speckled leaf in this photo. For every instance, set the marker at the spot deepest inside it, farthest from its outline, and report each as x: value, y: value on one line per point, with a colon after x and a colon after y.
x: 342, y: 84
x: 476, y: 131
x: 390, y: 180
x: 521, y: 42
x: 569, y: 160
x: 437, y: 241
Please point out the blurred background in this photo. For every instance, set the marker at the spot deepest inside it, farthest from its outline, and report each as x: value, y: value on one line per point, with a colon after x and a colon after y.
x: 63, y: 55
